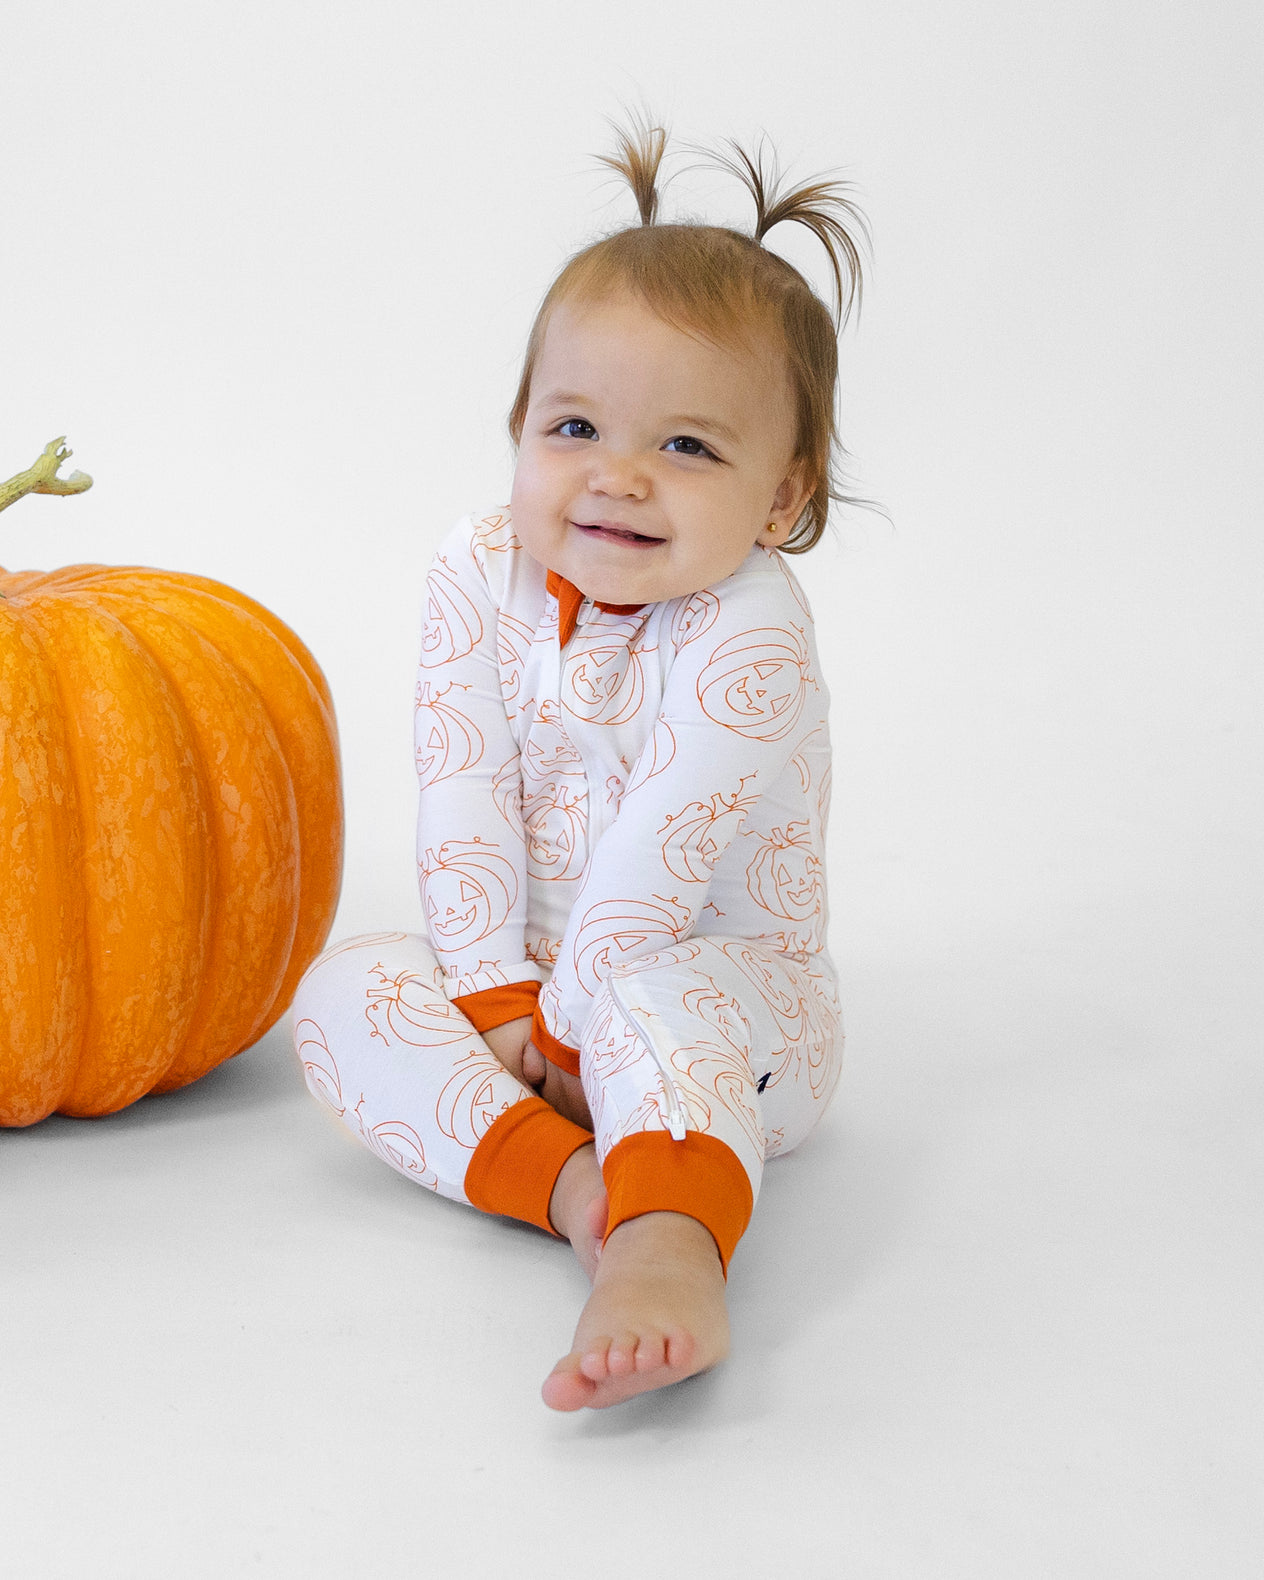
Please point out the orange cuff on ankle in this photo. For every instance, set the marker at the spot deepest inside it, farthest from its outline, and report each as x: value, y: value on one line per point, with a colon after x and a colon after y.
x: 699, y: 1177
x: 554, y: 1051
x: 516, y: 1164
x: 494, y: 1006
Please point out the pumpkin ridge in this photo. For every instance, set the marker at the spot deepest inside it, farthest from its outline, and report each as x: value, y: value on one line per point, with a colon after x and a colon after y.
x: 43, y: 946
x: 142, y: 864
x: 254, y: 874
x: 206, y: 585
x: 311, y: 755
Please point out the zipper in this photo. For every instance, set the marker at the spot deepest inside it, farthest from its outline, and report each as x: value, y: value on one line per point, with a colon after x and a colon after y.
x: 676, y: 1119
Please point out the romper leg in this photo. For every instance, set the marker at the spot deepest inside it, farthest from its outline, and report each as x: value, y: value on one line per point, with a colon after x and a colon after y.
x: 700, y: 1061
x: 402, y: 1067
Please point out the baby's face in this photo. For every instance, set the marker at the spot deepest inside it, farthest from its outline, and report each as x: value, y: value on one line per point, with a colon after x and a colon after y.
x: 650, y: 463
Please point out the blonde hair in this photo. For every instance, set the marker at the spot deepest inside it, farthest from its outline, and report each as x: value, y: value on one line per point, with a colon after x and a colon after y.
x: 722, y: 284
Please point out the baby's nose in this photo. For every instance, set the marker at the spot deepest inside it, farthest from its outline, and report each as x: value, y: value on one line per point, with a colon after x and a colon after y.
x: 613, y: 474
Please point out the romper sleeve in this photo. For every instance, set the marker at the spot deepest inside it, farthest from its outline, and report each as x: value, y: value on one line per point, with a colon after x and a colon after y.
x: 471, y: 846
x: 742, y: 695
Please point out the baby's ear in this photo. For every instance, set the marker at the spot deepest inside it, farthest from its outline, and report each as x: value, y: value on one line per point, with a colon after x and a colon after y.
x: 791, y: 498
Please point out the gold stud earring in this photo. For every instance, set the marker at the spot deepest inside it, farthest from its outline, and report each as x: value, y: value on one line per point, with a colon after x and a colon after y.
x: 771, y: 527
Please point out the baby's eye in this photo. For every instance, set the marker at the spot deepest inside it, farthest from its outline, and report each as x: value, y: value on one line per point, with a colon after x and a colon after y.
x: 575, y: 423
x: 689, y: 446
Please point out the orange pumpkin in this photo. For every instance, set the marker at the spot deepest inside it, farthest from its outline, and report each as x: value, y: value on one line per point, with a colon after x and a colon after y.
x: 170, y: 822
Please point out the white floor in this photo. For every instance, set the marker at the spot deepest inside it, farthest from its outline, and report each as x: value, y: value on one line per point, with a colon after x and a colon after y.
x: 1000, y: 1317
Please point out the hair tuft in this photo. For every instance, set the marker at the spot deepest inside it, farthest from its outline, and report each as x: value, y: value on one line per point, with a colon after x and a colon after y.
x: 641, y: 149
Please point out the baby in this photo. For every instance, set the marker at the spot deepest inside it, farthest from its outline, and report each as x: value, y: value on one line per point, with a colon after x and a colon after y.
x: 623, y: 1003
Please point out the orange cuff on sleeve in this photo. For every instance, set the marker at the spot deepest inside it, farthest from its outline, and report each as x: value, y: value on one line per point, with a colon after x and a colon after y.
x: 494, y: 1006
x: 554, y: 1051
x: 516, y: 1164
x: 699, y: 1176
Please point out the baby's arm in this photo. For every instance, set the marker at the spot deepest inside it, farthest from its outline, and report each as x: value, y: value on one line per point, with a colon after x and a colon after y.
x: 742, y: 695
x: 471, y: 848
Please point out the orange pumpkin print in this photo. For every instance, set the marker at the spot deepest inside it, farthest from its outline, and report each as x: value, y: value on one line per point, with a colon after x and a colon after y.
x: 657, y: 756
x: 507, y: 793
x: 319, y: 1067
x: 755, y: 683
x: 513, y: 648
x: 699, y: 834
x: 393, y: 1140
x: 447, y: 742
x: 493, y: 534
x: 398, y: 1144
x: 469, y: 1105
x: 785, y: 876
x: 415, y: 1010
x: 604, y: 683
x: 555, y: 816
x: 692, y: 618
x: 468, y: 890
x: 775, y: 984
x: 549, y: 749
x: 542, y: 949
x: 453, y: 626
x: 618, y: 931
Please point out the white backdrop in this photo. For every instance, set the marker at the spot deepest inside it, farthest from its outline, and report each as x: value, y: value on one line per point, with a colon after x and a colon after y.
x: 271, y: 268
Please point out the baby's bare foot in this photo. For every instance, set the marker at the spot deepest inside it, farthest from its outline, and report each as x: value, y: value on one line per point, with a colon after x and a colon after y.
x: 578, y: 1206
x: 656, y: 1315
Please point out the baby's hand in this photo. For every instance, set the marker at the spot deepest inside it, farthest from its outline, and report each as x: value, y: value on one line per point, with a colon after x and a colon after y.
x: 559, y: 1089
x: 508, y: 1043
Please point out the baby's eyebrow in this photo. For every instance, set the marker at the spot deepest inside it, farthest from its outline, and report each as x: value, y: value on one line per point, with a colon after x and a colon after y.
x: 561, y: 398
x: 711, y: 424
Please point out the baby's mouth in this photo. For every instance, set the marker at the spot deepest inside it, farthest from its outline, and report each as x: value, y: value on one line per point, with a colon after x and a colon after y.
x: 613, y: 533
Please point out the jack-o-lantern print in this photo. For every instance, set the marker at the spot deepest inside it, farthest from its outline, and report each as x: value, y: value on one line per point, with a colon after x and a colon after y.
x: 692, y: 618
x: 542, y: 949
x: 719, y: 1068
x: 320, y: 1069
x: 555, y: 818
x: 409, y: 1009
x: 825, y: 1037
x: 453, y: 626
x: 507, y: 793
x: 548, y: 750
x: 494, y: 533
x: 398, y: 1144
x: 468, y: 890
x: 513, y: 647
x: 776, y: 984
x: 656, y: 755
x: 470, y: 1102
x: 755, y: 683
x: 447, y: 742
x: 615, y: 932
x: 604, y: 682
x: 817, y: 741
x: 700, y: 833
x: 616, y: 1044
x: 792, y: 582
x: 785, y: 876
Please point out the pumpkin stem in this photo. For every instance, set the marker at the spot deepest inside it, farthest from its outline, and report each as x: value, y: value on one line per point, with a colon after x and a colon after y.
x: 42, y: 478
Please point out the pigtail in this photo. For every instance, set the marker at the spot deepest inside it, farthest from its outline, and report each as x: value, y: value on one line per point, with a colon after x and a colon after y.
x: 640, y: 154
x: 822, y: 206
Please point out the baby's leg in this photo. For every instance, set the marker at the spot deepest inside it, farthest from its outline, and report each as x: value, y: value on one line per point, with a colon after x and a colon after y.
x: 402, y: 1067
x: 677, y: 1050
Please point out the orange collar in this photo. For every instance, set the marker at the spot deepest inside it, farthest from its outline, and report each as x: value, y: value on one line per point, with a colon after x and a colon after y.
x: 569, y: 599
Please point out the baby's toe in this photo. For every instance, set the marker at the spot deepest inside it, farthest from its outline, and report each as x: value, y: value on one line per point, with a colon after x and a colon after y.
x: 651, y: 1353
x: 595, y: 1362
x: 565, y: 1388
x: 681, y: 1350
x: 622, y: 1357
